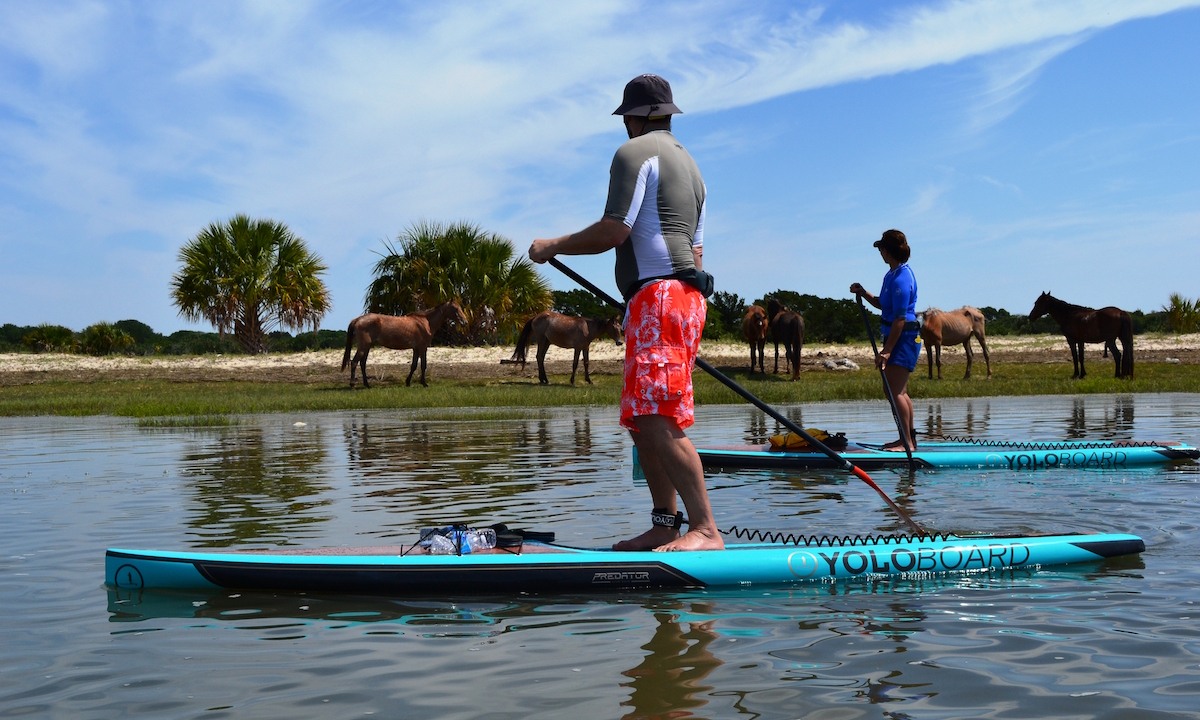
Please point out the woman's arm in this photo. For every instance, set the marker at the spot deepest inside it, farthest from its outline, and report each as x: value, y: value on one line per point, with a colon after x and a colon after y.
x: 861, y: 292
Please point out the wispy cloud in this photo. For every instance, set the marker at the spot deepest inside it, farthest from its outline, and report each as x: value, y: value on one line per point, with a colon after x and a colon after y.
x: 349, y: 121
x: 1008, y: 75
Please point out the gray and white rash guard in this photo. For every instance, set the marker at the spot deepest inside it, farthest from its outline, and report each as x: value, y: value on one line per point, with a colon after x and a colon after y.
x: 655, y: 188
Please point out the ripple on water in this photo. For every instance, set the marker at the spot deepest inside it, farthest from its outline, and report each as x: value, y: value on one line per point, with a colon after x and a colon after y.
x: 1112, y: 639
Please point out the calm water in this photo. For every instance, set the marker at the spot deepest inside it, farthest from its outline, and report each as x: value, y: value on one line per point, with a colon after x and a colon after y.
x: 1109, y: 640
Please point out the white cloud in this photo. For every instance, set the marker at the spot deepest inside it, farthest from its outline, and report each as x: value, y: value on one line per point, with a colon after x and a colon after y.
x: 351, y: 121
x: 927, y: 197
x: 1009, y: 75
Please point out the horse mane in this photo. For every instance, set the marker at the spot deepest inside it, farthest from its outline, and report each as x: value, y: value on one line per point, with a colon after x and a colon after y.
x: 426, y: 311
x: 1063, y: 303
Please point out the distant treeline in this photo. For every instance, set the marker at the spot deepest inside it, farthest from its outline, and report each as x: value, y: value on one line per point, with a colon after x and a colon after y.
x: 825, y: 320
x: 131, y: 337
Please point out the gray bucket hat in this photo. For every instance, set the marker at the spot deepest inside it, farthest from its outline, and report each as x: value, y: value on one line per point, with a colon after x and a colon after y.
x: 646, y: 96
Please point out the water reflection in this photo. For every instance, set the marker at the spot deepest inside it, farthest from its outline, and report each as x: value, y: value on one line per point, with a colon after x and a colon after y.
x: 975, y: 422
x: 255, y: 485
x: 1115, y: 421
x: 757, y: 430
x: 668, y: 680
x: 1032, y: 418
x: 402, y: 466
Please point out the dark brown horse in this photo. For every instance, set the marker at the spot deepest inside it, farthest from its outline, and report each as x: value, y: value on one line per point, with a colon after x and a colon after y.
x: 951, y: 328
x: 414, y: 330
x: 786, y: 327
x: 754, y: 329
x: 1084, y: 325
x: 577, y: 333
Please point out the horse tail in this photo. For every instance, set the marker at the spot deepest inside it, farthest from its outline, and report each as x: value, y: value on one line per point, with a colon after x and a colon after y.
x: 1127, y: 345
x: 349, y: 343
x: 518, y: 355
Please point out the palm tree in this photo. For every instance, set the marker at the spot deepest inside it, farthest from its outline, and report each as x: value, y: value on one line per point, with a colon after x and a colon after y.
x: 250, y: 276
x: 431, y: 263
x: 1183, y: 315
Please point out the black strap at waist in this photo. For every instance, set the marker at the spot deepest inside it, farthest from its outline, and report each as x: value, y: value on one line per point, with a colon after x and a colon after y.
x: 698, y: 279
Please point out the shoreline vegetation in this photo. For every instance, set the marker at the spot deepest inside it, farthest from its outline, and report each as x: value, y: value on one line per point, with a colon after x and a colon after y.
x: 209, y: 390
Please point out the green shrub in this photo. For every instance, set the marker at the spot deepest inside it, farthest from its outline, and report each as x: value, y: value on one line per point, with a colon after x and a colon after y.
x: 825, y: 319
x: 143, y: 335
x: 50, y: 338
x: 730, y: 308
x: 12, y: 335
x: 1182, y: 314
x: 104, y: 338
x: 581, y: 303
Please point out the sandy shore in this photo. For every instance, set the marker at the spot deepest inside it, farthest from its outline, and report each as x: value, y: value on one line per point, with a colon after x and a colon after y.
x: 484, y: 362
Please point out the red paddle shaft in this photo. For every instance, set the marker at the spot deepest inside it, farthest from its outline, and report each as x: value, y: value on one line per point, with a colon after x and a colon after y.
x: 727, y: 382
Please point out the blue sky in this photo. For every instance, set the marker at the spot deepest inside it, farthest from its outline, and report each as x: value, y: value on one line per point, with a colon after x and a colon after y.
x: 1022, y: 146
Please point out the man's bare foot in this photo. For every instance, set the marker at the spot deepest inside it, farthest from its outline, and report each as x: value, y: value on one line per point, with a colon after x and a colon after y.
x: 695, y: 539
x: 895, y: 446
x: 652, y: 538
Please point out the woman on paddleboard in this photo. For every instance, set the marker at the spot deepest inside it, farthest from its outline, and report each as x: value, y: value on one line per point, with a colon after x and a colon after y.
x: 897, y: 301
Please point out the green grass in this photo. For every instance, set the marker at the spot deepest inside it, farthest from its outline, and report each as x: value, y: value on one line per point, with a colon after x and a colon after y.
x: 188, y: 421
x: 202, y: 404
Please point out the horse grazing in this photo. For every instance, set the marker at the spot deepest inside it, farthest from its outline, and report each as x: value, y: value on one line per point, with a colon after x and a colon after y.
x: 754, y: 329
x: 415, y: 330
x: 1084, y: 325
x: 577, y: 333
x: 786, y: 327
x: 951, y: 328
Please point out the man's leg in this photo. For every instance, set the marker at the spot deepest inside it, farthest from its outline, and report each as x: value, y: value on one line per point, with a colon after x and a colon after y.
x: 671, y: 465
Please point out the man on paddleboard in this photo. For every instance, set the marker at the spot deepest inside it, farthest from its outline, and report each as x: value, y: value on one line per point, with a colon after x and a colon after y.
x: 655, y: 219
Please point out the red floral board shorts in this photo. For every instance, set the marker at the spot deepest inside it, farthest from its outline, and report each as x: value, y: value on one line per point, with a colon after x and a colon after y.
x: 663, y: 325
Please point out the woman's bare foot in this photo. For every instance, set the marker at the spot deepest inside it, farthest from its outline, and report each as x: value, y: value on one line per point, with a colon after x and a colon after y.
x: 695, y: 539
x: 656, y: 536
x: 895, y: 446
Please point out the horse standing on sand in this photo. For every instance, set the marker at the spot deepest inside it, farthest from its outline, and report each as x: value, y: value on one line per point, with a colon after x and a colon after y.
x: 951, y: 328
x: 787, y: 327
x: 415, y: 330
x: 577, y: 333
x: 1084, y: 325
x: 754, y: 329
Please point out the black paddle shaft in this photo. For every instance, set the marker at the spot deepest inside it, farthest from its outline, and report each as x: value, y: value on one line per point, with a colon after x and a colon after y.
x: 748, y: 396
x: 887, y: 387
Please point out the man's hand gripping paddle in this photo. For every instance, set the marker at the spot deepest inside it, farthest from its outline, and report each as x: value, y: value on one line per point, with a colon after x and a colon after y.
x: 887, y: 388
x: 793, y: 427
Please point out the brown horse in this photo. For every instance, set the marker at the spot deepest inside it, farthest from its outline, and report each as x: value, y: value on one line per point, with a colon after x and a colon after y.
x: 754, y: 329
x: 786, y: 327
x: 414, y: 330
x: 577, y: 333
x: 1084, y: 325
x: 951, y: 328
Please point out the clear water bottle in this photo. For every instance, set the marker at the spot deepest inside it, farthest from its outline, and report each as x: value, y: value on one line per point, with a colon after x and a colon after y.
x: 439, y: 544
x: 456, y: 540
x: 483, y: 539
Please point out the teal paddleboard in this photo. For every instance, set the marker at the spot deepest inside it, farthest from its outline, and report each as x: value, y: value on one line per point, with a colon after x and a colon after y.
x: 547, y: 567
x: 1024, y: 456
